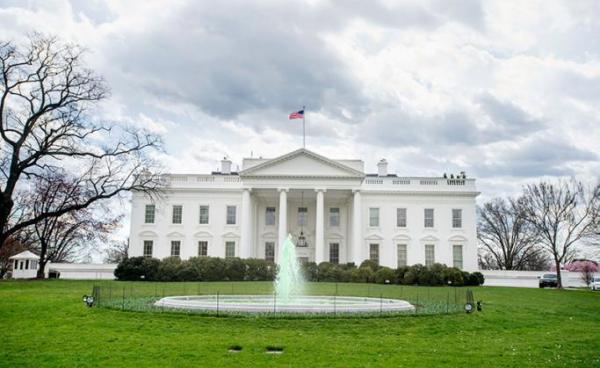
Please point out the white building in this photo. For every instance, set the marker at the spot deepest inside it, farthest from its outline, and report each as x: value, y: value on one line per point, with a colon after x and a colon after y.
x: 24, y: 265
x: 345, y: 214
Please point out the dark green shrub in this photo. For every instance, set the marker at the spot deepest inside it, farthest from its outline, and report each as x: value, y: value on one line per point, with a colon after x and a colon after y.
x: 472, y: 279
x: 235, y: 269
x: 167, y: 269
x: 258, y: 270
x: 363, y: 274
x: 413, y: 274
x: 137, y: 268
x: 214, y: 269
x: 480, y: 277
x: 187, y: 272
x: 326, y: 272
x: 370, y: 264
x: 399, y: 274
x: 385, y: 275
x: 453, y: 276
x: 310, y: 271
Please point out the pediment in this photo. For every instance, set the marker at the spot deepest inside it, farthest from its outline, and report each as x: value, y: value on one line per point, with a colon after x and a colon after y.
x: 230, y: 235
x: 175, y: 234
x: 303, y: 163
x: 457, y: 238
x: 269, y: 235
x: 401, y: 237
x: 334, y: 236
x: 429, y: 238
x: 374, y: 237
x: 203, y: 234
x: 148, y: 234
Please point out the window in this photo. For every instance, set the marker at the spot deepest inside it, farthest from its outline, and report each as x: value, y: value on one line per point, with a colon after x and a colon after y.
x: 457, y: 256
x: 231, y: 215
x: 203, y: 215
x: 26, y: 264
x: 428, y: 217
x: 270, y: 216
x: 429, y: 254
x: 270, y: 251
x: 374, y: 217
x: 334, y: 253
x: 16, y: 267
x: 401, y: 217
x: 402, y: 255
x: 334, y: 217
x: 149, y: 214
x: 148, y: 248
x: 202, y: 248
x: 456, y: 218
x: 175, y: 248
x: 302, y: 216
x: 374, y: 252
x: 21, y: 265
x: 177, y: 214
x: 229, y: 249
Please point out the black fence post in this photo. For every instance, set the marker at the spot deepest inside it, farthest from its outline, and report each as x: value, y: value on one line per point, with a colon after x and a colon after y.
x: 217, y: 303
x: 123, y: 300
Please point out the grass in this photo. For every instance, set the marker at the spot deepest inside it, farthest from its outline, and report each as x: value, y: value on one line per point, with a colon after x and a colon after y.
x: 45, y: 324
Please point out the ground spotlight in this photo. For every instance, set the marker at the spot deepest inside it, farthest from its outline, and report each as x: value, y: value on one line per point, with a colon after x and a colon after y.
x: 88, y: 300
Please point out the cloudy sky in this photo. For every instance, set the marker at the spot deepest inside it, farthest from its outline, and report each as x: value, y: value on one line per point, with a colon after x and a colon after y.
x: 507, y: 91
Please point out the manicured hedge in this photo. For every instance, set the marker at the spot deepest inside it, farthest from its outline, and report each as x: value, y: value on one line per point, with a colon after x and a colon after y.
x: 236, y: 269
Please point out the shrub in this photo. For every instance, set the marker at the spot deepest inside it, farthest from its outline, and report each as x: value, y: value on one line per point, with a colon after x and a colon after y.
x: 187, y: 272
x: 480, y: 277
x: 214, y: 269
x: 137, y: 268
x: 310, y: 271
x: 259, y: 270
x: 453, y: 276
x: 385, y: 275
x: 167, y: 269
x: 363, y: 274
x: 235, y: 269
x: 369, y: 263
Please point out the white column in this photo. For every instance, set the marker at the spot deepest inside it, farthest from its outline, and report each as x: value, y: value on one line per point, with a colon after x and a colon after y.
x: 282, y: 218
x: 320, y: 228
x: 246, y: 232
x: 357, y: 256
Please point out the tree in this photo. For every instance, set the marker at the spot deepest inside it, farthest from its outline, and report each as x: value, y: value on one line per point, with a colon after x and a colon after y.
x: 11, y: 247
x: 507, y: 238
x: 46, y: 95
x: 563, y: 214
x: 116, y: 252
x: 60, y: 238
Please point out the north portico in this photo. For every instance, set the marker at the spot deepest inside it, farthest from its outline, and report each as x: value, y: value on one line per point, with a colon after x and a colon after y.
x: 343, y: 214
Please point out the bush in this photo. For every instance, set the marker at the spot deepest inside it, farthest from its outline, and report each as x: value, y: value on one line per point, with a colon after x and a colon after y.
x: 259, y: 270
x: 385, y: 275
x: 168, y: 268
x: 310, y: 271
x: 363, y: 274
x: 453, y: 276
x: 235, y: 269
x: 370, y: 264
x: 480, y: 277
x: 137, y: 268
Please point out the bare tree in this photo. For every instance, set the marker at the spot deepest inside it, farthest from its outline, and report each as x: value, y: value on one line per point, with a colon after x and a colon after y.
x: 507, y: 239
x: 563, y: 214
x: 61, y: 238
x: 116, y: 252
x: 46, y: 94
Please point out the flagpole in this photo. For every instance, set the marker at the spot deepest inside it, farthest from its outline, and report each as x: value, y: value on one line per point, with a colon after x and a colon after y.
x: 303, y: 127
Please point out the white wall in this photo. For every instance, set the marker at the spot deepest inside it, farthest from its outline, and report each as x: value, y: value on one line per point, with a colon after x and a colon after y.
x: 528, y: 278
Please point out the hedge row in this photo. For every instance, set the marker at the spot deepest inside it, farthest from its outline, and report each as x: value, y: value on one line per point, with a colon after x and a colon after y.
x: 236, y: 269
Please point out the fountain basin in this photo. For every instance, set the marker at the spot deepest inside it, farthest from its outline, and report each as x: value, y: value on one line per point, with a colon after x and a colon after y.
x: 299, y: 304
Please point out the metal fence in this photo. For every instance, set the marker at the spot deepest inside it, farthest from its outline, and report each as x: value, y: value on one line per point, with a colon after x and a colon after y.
x: 141, y: 296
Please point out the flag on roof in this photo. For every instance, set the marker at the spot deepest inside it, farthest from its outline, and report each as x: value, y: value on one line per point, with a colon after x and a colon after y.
x: 297, y: 115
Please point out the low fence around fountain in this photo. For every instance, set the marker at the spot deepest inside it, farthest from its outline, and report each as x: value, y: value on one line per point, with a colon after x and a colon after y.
x: 143, y: 296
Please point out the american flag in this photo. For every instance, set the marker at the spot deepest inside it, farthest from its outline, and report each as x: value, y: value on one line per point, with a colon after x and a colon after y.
x: 297, y: 115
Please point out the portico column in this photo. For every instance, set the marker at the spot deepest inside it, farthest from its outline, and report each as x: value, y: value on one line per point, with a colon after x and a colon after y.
x: 246, y: 232
x: 320, y: 228
x: 357, y: 229
x: 282, y: 218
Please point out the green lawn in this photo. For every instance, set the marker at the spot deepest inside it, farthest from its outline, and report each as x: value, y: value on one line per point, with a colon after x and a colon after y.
x: 44, y: 323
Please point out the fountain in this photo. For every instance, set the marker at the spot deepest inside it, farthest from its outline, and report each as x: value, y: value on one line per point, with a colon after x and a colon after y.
x: 288, y: 296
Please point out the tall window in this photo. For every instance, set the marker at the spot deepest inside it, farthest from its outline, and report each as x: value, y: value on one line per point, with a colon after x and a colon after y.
x: 456, y: 218
x: 374, y: 217
x: 270, y: 216
x: 270, y: 251
x: 148, y: 248
x: 175, y: 248
x: 402, y: 255
x: 177, y: 214
x: 428, y: 217
x: 334, y: 217
x: 374, y: 252
x: 202, y: 248
x: 457, y: 256
x: 149, y: 213
x: 334, y: 253
x: 401, y: 217
x: 302, y: 216
x: 229, y: 249
x: 231, y: 215
x: 203, y: 215
x: 429, y: 254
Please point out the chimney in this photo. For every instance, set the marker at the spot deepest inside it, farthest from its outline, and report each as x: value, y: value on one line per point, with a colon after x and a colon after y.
x: 382, y: 167
x: 225, y: 166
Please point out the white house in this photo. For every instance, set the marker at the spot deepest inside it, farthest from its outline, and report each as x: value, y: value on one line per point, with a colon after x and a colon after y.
x: 24, y: 265
x: 343, y: 214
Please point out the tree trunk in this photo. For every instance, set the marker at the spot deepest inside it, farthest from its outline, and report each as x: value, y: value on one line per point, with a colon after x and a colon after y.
x: 558, y: 275
x: 42, y: 262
